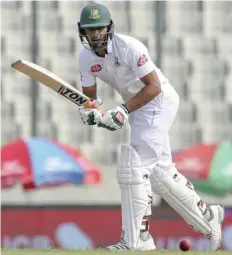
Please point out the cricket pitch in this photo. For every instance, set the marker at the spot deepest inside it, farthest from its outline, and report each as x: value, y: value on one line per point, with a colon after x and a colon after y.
x: 103, y: 252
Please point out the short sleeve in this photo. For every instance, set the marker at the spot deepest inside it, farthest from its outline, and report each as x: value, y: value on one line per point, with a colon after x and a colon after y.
x: 139, y: 59
x: 87, y: 79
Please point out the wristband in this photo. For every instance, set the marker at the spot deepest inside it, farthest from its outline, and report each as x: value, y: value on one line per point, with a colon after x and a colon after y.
x: 125, y: 108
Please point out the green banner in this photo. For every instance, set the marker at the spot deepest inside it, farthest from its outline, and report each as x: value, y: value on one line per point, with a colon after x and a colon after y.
x: 219, y: 182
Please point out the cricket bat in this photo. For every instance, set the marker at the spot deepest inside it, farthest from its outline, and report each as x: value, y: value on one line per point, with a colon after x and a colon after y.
x: 52, y: 81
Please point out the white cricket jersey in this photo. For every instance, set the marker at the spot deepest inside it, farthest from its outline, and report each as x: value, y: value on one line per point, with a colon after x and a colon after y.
x: 126, y: 61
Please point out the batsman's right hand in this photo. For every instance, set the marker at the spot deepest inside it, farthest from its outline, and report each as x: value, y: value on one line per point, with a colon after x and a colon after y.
x: 91, y: 116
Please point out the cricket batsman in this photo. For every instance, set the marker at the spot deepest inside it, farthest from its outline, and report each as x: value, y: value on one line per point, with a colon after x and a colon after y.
x: 150, y: 105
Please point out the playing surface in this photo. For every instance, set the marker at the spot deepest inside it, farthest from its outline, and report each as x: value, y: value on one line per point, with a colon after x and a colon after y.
x: 99, y: 252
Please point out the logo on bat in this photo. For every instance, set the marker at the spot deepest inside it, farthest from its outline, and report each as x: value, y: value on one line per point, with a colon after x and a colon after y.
x: 71, y: 95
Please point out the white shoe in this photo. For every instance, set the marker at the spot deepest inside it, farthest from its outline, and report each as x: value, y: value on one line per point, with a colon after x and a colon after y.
x: 216, y: 235
x: 121, y: 245
x: 146, y: 243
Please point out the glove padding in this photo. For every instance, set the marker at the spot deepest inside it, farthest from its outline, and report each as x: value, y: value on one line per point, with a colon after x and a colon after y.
x: 91, y: 116
x: 114, y: 119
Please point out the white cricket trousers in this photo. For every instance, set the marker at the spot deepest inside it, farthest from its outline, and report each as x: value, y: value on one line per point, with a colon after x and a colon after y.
x: 150, y: 126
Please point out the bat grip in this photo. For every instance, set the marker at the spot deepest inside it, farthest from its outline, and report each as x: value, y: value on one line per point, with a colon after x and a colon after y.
x: 90, y: 104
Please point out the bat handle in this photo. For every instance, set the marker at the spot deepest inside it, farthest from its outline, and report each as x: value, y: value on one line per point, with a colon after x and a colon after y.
x: 94, y: 104
x: 90, y: 104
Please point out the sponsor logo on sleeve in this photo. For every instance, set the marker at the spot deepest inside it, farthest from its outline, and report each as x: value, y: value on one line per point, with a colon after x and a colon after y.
x: 142, y: 60
x: 96, y: 68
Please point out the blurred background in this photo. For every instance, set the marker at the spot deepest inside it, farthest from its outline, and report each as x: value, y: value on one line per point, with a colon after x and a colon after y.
x: 191, y: 41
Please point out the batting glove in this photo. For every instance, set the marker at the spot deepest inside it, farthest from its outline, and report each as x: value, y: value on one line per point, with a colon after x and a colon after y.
x: 91, y: 116
x: 114, y: 119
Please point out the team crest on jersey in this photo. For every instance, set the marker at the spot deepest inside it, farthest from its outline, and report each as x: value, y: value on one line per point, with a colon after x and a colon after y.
x: 142, y: 60
x: 96, y: 68
x: 94, y: 14
x: 116, y: 62
x: 81, y: 77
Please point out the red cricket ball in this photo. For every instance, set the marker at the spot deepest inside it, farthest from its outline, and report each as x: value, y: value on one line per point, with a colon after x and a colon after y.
x: 184, y: 245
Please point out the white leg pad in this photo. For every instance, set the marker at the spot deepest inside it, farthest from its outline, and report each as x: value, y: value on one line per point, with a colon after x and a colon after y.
x: 134, y: 199
x: 147, y: 184
x: 179, y: 193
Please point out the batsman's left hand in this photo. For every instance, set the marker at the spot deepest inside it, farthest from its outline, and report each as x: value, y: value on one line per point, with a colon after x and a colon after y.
x: 91, y: 116
x: 114, y: 119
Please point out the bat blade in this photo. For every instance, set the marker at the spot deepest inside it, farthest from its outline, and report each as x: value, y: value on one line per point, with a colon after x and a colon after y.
x: 52, y: 81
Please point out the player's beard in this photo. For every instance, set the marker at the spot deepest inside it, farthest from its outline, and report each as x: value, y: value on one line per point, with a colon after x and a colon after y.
x: 100, y: 44
x: 97, y: 46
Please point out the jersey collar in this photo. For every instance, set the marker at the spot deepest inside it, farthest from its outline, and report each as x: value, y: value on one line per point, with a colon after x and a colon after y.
x: 109, y: 47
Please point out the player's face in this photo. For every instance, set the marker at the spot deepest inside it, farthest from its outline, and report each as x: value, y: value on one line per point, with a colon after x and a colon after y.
x: 97, y: 37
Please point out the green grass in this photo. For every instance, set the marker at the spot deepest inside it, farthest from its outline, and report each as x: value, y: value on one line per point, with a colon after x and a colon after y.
x: 104, y: 252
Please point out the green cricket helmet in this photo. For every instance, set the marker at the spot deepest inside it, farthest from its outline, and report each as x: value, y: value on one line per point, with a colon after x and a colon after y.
x: 95, y: 15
